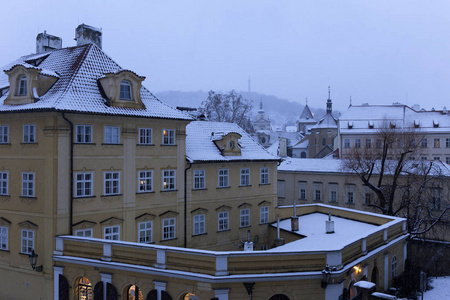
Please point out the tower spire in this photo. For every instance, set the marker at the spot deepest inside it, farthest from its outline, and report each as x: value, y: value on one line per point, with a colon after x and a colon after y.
x: 329, y: 93
x: 329, y: 104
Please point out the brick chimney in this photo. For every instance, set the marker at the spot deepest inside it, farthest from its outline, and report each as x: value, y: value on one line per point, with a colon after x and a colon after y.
x: 85, y: 34
x: 46, y: 42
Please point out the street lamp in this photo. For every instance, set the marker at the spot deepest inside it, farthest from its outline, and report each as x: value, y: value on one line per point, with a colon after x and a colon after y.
x: 326, y: 276
x: 33, y: 260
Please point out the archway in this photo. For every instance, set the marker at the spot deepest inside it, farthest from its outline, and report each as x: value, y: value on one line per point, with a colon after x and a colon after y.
x: 83, y: 289
x: 152, y: 295
x: 190, y: 296
x: 374, y: 276
x: 134, y: 293
x: 279, y: 297
x: 303, y: 154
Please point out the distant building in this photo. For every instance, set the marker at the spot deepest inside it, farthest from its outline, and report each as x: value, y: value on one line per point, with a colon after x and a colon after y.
x: 306, y: 121
x: 262, y: 123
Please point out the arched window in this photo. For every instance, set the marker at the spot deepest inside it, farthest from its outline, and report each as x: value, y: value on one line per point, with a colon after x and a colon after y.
x: 134, y: 293
x: 190, y: 296
x: 394, y: 266
x: 22, y: 88
x: 303, y: 154
x: 374, y: 277
x: 83, y: 289
x: 279, y: 297
x: 125, y: 90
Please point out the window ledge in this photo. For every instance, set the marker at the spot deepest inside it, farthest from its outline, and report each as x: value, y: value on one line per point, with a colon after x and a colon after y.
x: 145, y: 192
x: 28, y: 197
x: 279, y: 197
x: 166, y: 240
x: 200, y: 234
x: 111, y: 195
x: 264, y: 223
x: 204, y: 189
x: 4, y: 250
x: 84, y: 144
x: 34, y: 144
x: 225, y: 230
x: 112, y: 144
x: 223, y: 187
x: 168, y: 191
x: 248, y: 226
x: 245, y: 185
x: 5, y: 144
x: 27, y: 254
x: 84, y: 197
x: 165, y: 145
x: 145, y: 145
x: 264, y: 184
x: 350, y: 203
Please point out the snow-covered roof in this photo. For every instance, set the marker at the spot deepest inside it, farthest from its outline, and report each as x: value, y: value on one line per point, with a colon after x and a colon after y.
x: 327, y: 122
x: 76, y: 90
x: 301, y: 145
x: 200, y: 144
x: 307, y: 116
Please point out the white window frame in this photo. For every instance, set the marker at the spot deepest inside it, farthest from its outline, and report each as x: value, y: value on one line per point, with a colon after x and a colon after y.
x: 145, y: 182
x: 27, y: 241
x: 168, y: 136
x: 4, y: 183
x: 145, y: 232
x: 264, y: 175
x: 111, y: 233
x: 350, y: 194
x: 199, y: 179
x: 84, y: 184
x: 223, y: 221
x: 112, y: 134
x: 168, y: 182
x: 199, y: 224
x: 334, y: 192
x: 84, y: 232
x: 3, y: 238
x: 28, y: 184
x: 4, y: 134
x: 168, y: 229
x: 125, y: 90
x: 302, y: 185
x: 145, y: 136
x: 346, y: 143
x: 317, y: 191
x: 245, y: 177
x: 244, y: 217
x: 264, y: 215
x: 447, y: 143
x: 29, y: 133
x: 394, y: 266
x: 281, y: 188
x: 223, y: 178
x: 111, y: 183
x: 84, y: 134
x: 368, y: 143
x: 357, y: 143
x: 22, y: 86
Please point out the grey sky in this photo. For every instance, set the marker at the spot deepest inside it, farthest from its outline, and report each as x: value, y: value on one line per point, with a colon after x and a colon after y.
x: 375, y: 51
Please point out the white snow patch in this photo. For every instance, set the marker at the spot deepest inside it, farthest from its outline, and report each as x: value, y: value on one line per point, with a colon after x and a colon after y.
x: 440, y: 289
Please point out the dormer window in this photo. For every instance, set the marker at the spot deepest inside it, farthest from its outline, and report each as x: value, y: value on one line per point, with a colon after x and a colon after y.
x: 125, y: 90
x: 22, y: 88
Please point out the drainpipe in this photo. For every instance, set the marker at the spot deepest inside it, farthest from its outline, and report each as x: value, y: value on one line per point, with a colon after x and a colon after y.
x: 71, y: 174
x: 185, y: 205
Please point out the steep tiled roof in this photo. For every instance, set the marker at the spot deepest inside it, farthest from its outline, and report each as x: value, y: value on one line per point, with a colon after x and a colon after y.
x: 306, y: 115
x: 200, y: 145
x: 77, y: 89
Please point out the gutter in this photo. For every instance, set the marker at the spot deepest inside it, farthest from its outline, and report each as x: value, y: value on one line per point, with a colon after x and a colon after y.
x: 71, y: 174
x: 185, y: 205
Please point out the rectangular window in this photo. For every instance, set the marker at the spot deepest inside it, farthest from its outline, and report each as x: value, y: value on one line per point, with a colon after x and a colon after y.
x: 112, y: 233
x: 357, y: 143
x: 245, y: 177
x: 437, y: 143
x: 112, y: 134
x: 84, y: 232
x: 280, y: 188
x: 28, y: 184
x: 368, y: 143
x: 145, y: 232
x: 350, y: 193
x: 263, y: 215
x: 223, y: 220
x: 3, y: 183
x: 199, y: 179
x: 447, y: 160
x: 145, y: 136
x: 3, y: 238
x: 168, y: 229
x: 317, y: 191
x: 145, y: 181
x: 302, y: 190
x: 367, y: 196
x: 447, y: 143
x: 245, y: 217
x: 436, y: 158
x: 346, y: 143
x: 4, y: 134
x: 424, y: 143
x: 168, y: 136
x: 83, y: 184
x: 333, y: 192
x: 27, y: 241
x: 264, y: 176
x: 84, y: 134
x: 112, y: 183
x: 29, y: 133
x: 168, y: 180
x: 436, y: 198
x: 378, y: 144
x: 223, y: 178
x: 199, y: 224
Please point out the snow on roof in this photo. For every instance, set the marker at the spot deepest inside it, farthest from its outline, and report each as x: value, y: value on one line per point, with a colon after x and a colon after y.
x: 327, y: 122
x: 76, y: 90
x: 201, y: 147
x: 306, y: 115
x: 273, y: 149
x: 301, y: 145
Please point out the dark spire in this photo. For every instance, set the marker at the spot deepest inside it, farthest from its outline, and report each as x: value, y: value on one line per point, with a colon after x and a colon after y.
x: 329, y: 104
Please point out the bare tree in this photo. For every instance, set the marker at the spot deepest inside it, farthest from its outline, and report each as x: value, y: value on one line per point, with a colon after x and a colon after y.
x: 231, y: 107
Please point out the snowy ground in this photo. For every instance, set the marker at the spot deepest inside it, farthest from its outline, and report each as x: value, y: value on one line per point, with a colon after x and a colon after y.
x: 441, y: 289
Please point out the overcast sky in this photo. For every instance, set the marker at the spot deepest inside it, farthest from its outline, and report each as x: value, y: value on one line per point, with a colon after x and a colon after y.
x: 374, y: 51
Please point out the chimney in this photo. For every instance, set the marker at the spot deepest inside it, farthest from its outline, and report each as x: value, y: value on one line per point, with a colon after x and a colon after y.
x: 248, y: 246
x: 46, y: 42
x: 329, y: 225
x: 85, y: 34
x: 294, y: 223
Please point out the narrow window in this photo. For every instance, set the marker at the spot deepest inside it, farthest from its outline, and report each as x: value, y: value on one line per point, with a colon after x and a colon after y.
x: 264, y: 175
x: 281, y: 188
x: 367, y: 196
x: 84, y: 134
x: 84, y: 232
x: 350, y: 191
x: 22, y: 88
x: 378, y: 144
x: 168, y: 229
x: 29, y: 133
x: 145, y: 232
x: 199, y: 224
x: 199, y: 179
x: 112, y: 134
x: 245, y: 177
x: 145, y: 181
x: 112, y: 233
x: 83, y: 184
x: 424, y: 143
x: 3, y: 183
x: 28, y: 184
x: 263, y: 215
x: 436, y: 198
x: 27, y: 241
x: 4, y: 134
x: 317, y: 191
x: 145, y: 136
x: 3, y: 238
x: 223, y: 178
x: 437, y: 143
x: 394, y: 266
x: 447, y: 143
x: 125, y: 90
x: 111, y: 183
x: 346, y: 143
x: 245, y: 217
x: 302, y: 190
x: 333, y: 192
x: 223, y: 220
x: 168, y: 136
x: 168, y: 180
x: 357, y: 143
x: 368, y: 143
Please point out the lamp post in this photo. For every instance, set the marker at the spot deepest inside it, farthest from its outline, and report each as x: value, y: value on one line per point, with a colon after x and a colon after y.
x: 33, y: 260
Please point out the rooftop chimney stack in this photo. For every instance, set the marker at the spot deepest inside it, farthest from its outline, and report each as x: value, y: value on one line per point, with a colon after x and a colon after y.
x: 329, y: 225
x: 46, y: 42
x: 85, y: 34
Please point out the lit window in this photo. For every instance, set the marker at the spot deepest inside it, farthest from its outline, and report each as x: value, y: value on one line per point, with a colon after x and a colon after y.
x: 223, y: 220
x: 199, y: 179
x: 22, y: 88
x: 264, y: 176
x: 125, y: 90
x: 145, y: 232
x: 3, y: 238
x: 134, y: 293
x: 84, y: 232
x: 168, y: 229
x: 394, y: 266
x: 245, y: 177
x: 84, y: 134
x: 350, y: 191
x: 112, y: 233
x: 168, y: 180
x: 4, y: 134
x: 264, y: 214
x: 145, y: 181
x: 346, y: 143
x: 145, y: 136
x: 28, y: 184
x: 437, y: 143
x: 333, y: 192
x: 83, y: 183
x: 168, y: 136
x: 3, y: 183
x: 83, y: 289
x: 280, y: 188
x: 27, y: 241
x: 111, y: 183
x: 302, y: 190
x: 112, y: 134
x: 245, y: 217
x: 223, y: 177
x: 199, y: 224
x: 29, y: 133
